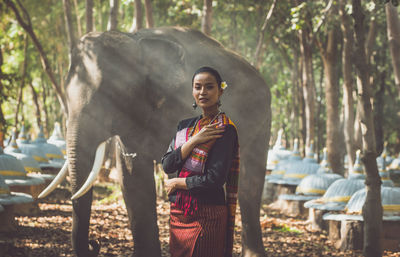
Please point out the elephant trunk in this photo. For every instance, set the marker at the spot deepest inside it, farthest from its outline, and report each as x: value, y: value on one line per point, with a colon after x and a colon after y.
x: 80, y: 160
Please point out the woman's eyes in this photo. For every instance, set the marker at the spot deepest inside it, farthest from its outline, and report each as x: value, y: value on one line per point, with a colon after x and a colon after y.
x: 211, y: 86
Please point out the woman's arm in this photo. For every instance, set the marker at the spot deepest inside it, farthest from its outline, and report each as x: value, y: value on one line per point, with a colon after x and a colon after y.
x: 218, y: 163
x: 207, y: 133
x: 172, y: 160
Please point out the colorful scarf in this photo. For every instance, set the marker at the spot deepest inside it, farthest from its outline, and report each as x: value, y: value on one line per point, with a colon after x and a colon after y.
x: 194, y: 165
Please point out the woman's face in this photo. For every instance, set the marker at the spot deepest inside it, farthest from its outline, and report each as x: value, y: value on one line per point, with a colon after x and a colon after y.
x: 206, y: 92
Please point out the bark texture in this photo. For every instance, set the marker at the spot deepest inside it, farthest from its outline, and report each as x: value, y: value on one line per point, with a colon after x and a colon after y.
x: 330, y: 60
x: 69, y: 26
x: 393, y: 33
x: 138, y: 18
x: 348, y: 102
x: 149, y: 13
x: 207, y: 17
x: 372, y: 209
x: 308, y: 85
x: 36, y: 102
x: 22, y: 85
x: 89, y: 15
x: 113, y: 18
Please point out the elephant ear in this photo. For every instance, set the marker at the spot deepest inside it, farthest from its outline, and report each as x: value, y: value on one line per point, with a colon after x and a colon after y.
x: 164, y: 59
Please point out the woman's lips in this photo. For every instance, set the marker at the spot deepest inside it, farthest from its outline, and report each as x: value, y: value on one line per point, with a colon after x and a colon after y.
x: 203, y: 100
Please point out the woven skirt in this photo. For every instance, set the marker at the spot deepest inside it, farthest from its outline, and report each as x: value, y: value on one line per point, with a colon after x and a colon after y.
x: 202, y: 234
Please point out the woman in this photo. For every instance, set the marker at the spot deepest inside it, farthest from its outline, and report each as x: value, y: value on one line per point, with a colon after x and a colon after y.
x: 205, y: 155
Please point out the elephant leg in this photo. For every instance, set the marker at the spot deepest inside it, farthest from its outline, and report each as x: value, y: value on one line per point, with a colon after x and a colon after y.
x: 138, y: 188
x: 80, y: 227
x: 250, y: 191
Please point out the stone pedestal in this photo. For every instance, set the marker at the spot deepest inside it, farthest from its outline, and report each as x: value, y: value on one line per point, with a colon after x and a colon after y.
x: 348, y: 234
x: 291, y: 208
x: 27, y: 209
x: 33, y: 190
x: 7, y: 219
x: 315, y: 220
x: 269, y: 193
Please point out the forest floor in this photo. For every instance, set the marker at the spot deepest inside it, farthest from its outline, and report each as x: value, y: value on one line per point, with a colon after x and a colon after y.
x: 48, y: 232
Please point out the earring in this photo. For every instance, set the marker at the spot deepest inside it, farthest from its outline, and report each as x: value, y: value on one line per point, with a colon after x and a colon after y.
x: 219, y: 103
x: 194, y: 105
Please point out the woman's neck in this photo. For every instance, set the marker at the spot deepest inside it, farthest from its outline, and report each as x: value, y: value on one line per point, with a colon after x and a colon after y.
x: 210, y: 113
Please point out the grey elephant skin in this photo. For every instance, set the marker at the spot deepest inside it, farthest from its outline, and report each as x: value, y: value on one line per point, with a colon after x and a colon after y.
x: 137, y: 87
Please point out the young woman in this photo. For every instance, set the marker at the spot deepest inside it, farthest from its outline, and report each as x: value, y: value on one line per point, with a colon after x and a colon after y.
x: 205, y: 155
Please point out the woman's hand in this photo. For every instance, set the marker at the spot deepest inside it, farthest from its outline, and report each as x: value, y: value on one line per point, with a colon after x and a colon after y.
x: 207, y: 133
x: 171, y: 185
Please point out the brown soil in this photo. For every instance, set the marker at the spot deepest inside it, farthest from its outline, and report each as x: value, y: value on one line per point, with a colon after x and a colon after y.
x: 48, y: 233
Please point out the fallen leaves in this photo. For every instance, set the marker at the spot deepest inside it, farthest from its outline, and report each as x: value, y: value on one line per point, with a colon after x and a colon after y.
x: 48, y: 233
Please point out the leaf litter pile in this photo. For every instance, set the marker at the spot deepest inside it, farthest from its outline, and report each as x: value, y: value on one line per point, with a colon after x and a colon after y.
x: 47, y: 233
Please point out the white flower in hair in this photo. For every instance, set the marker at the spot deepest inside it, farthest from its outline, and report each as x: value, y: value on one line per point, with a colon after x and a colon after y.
x: 224, y: 85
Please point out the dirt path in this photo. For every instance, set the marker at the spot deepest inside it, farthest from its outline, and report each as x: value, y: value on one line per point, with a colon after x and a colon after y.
x: 48, y: 233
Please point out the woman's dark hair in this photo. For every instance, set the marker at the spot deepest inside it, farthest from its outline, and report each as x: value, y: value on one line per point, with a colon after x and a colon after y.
x: 210, y: 70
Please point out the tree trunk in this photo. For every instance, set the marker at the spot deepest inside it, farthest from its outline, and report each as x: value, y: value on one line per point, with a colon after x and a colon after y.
x: 378, y: 110
x: 21, y: 87
x: 206, y: 19
x: 19, y: 102
x: 320, y: 120
x: 36, y: 102
x: 113, y: 18
x: 138, y: 19
x: 46, y: 114
x: 372, y: 209
x: 78, y: 19
x: 69, y: 26
x: 308, y: 85
x: 348, y: 103
x: 330, y: 60
x: 295, y: 83
x: 2, y: 119
x: 393, y: 32
x: 369, y: 44
x: 149, y: 13
x: 45, y: 62
x: 89, y: 15
x: 261, y: 35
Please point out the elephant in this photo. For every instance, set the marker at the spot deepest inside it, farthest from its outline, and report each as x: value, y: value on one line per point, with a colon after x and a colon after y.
x: 136, y: 87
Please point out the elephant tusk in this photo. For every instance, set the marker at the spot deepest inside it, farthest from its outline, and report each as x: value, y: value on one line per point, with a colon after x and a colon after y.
x: 62, y: 174
x: 98, y: 161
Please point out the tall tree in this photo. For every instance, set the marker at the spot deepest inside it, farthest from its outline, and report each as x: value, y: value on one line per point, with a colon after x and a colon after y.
x: 330, y: 54
x: 393, y: 34
x: 22, y: 85
x: 89, y: 15
x: 308, y: 84
x: 36, y: 102
x: 260, y: 42
x: 138, y: 18
x: 369, y: 45
x: 372, y: 209
x: 348, y: 103
x: 113, y: 18
x: 2, y: 119
x: 69, y: 26
x: 27, y: 25
x: 206, y: 20
x: 149, y: 13
x: 78, y: 20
